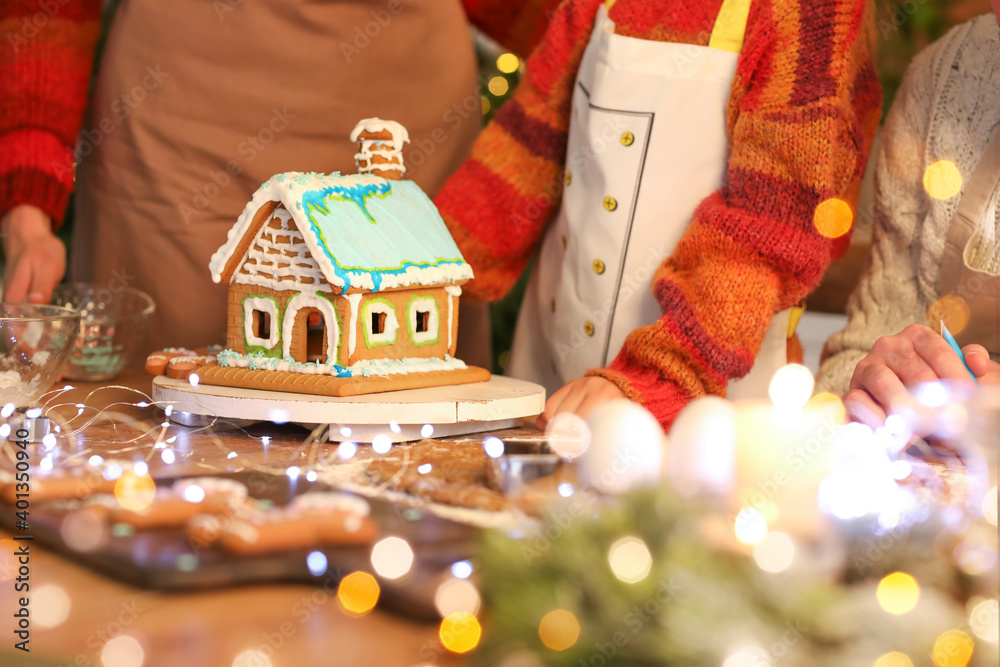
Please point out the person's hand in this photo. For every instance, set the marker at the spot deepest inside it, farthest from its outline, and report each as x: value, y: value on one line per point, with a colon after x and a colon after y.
x: 915, y: 355
x: 985, y: 370
x: 36, y: 258
x: 580, y: 396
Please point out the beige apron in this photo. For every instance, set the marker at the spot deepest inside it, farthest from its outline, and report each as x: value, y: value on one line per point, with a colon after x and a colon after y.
x: 647, y: 143
x: 199, y: 102
x: 979, y: 289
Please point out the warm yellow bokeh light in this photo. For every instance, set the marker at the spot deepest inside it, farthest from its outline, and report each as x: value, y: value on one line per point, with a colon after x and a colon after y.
x: 898, y: 593
x: 50, y: 605
x: 830, y: 404
x: 952, y: 649
x: 508, y: 63
x: 358, y: 593
x: 894, y: 659
x: 953, y: 310
x: 833, y: 218
x: 485, y: 101
x: 559, y: 629
x: 630, y: 559
x: 943, y: 180
x: 983, y: 620
x: 498, y: 86
x: 460, y: 632
x: 135, y: 492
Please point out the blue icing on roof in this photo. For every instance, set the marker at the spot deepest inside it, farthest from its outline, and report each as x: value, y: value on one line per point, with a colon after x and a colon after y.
x: 378, y: 229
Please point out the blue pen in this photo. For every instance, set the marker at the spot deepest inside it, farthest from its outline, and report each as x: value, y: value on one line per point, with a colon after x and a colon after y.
x: 948, y: 338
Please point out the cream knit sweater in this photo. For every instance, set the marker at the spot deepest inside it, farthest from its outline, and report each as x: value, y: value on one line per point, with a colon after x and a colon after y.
x: 946, y: 109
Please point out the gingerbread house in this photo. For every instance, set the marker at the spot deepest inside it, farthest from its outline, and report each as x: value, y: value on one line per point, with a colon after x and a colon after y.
x: 342, y: 284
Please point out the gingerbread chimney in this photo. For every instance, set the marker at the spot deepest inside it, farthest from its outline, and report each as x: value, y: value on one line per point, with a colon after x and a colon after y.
x: 380, y: 148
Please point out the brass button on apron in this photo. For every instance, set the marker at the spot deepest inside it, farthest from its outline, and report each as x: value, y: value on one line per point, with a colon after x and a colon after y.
x: 598, y: 267
x: 588, y: 328
x: 553, y: 305
x: 569, y: 177
x: 628, y: 139
x: 610, y: 203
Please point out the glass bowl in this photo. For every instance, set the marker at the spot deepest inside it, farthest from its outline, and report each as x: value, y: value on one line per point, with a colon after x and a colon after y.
x: 113, y: 322
x: 35, y: 342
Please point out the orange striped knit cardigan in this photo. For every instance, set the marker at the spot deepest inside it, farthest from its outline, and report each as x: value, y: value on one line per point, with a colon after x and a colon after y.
x: 46, y: 58
x: 803, y: 109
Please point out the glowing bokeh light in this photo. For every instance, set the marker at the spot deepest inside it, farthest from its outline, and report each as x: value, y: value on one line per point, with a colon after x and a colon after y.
x: 461, y: 569
x: 750, y: 526
x: 381, y: 444
x: 493, y: 447
x: 84, y: 530
x: 193, y: 493
x: 460, y: 632
x: 8, y: 410
x: 791, y: 387
x: 898, y: 593
x: 50, y: 605
x: 293, y: 472
x: 990, y: 506
x: 952, y: 649
x: 424, y: 468
x: 893, y: 659
x: 775, y: 553
x: 833, y: 218
x: 317, y: 563
x: 498, y: 86
x: 831, y: 404
x: 312, y: 476
x: 630, y: 559
x: 135, y: 492
x: 392, y: 557
x: 122, y: 651
x: 565, y: 489
x: 252, y: 658
x: 4, y: 430
x: 508, y: 63
x: 559, y: 629
x: 983, y: 620
x: 426, y: 431
x: 278, y: 415
x: 748, y: 656
x: 943, y: 180
x: 358, y: 593
x: 953, y: 310
x: 456, y: 595
x: 346, y: 450
x: 231, y: 455
x: 568, y: 435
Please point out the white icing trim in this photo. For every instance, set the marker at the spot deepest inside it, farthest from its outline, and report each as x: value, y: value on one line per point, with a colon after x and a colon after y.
x: 454, y: 291
x: 352, y: 334
x: 391, y: 323
x: 433, y: 321
x: 310, y: 300
x: 365, y: 367
x: 265, y: 305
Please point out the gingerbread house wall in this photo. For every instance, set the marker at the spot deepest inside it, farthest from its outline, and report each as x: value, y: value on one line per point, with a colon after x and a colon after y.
x: 404, y: 345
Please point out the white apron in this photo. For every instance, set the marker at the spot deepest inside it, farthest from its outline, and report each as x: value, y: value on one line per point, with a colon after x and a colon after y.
x: 647, y: 143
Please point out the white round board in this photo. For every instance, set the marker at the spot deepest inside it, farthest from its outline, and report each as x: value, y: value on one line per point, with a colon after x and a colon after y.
x: 451, y: 410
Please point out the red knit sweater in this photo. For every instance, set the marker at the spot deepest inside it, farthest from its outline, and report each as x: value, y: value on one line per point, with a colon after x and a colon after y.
x: 45, y: 64
x: 802, y: 112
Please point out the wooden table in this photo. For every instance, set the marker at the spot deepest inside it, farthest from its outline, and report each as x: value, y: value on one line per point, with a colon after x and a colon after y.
x: 294, y: 625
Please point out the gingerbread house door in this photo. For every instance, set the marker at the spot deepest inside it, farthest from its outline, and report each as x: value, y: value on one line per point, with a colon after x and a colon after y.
x: 311, y: 331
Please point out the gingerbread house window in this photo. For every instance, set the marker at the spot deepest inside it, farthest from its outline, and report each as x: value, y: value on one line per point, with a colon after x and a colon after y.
x: 379, y: 316
x: 262, y: 322
x: 260, y: 317
x: 423, y: 319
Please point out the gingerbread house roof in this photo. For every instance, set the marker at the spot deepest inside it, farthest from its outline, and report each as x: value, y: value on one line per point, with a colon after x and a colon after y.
x: 364, y: 231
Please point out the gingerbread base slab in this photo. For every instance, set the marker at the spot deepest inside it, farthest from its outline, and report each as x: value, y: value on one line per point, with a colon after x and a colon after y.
x: 329, y: 385
x: 451, y: 410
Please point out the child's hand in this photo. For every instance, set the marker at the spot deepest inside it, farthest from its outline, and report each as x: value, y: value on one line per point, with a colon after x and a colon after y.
x: 580, y: 396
